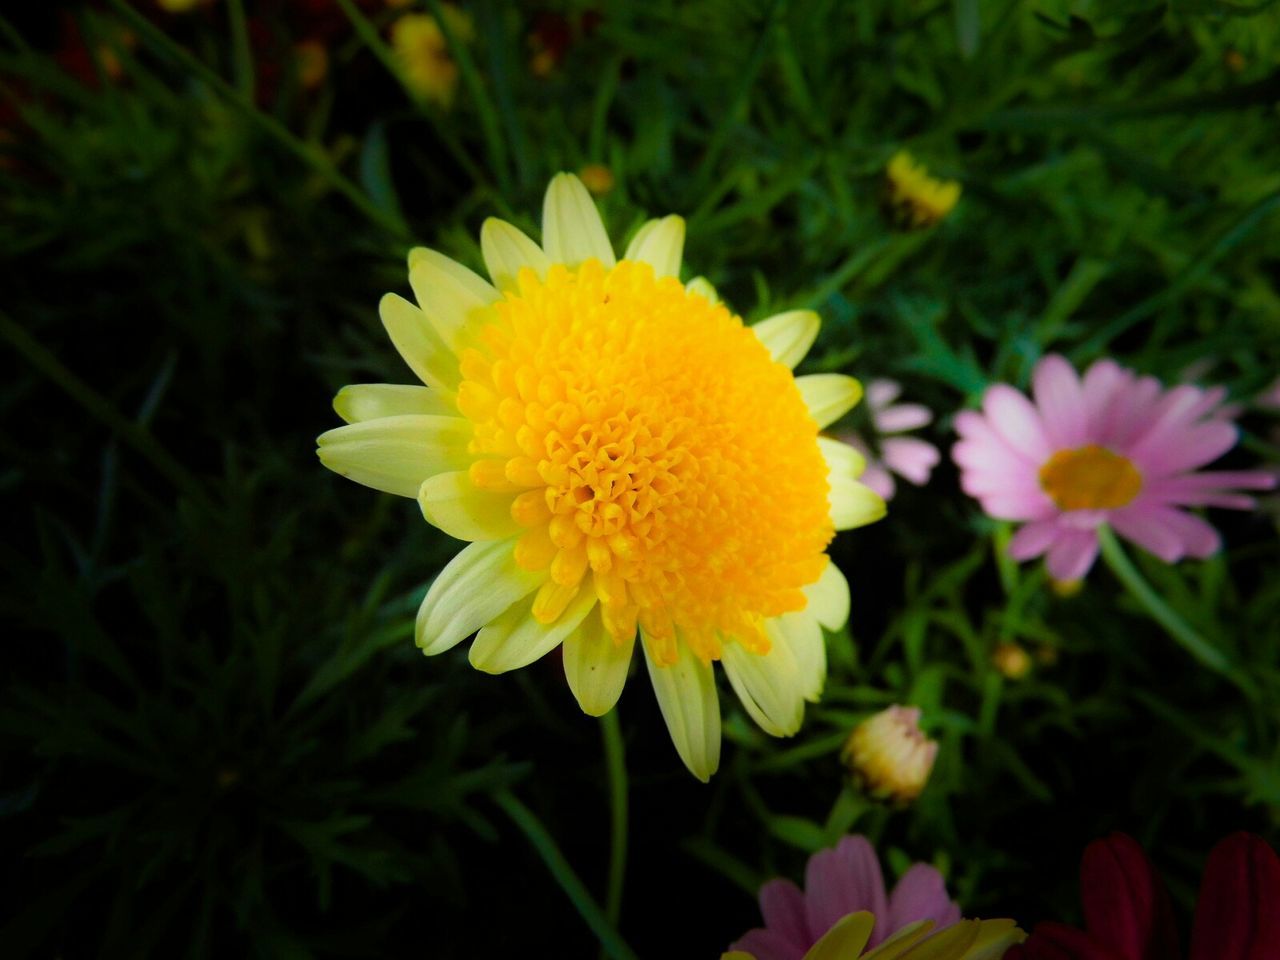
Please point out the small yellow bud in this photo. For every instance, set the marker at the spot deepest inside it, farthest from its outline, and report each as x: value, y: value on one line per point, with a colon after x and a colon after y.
x: 597, y: 178
x: 1011, y: 660
x: 1066, y: 589
x: 889, y: 754
x: 915, y: 198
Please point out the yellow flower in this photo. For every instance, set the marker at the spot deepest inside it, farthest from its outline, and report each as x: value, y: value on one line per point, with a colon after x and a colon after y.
x: 423, y: 52
x: 890, y: 755
x: 964, y: 940
x: 625, y: 455
x: 918, y: 199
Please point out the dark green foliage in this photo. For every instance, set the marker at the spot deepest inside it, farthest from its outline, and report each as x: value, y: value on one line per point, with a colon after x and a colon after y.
x: 218, y: 738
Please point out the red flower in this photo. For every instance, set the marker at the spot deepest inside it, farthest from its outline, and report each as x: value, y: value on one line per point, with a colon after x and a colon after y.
x: 1128, y: 916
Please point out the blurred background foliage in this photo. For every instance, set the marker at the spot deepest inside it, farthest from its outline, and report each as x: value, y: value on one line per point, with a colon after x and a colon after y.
x: 218, y: 738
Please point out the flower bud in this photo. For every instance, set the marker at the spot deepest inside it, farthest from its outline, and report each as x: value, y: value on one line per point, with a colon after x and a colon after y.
x: 889, y: 754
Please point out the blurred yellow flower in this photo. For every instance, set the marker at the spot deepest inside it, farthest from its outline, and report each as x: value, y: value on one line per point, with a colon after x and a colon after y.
x: 916, y: 198
x: 597, y: 178
x: 1011, y: 660
x: 423, y: 53
x: 889, y: 754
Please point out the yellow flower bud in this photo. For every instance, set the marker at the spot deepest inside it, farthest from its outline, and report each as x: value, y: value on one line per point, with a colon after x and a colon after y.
x: 597, y: 178
x: 1011, y: 660
x: 889, y: 754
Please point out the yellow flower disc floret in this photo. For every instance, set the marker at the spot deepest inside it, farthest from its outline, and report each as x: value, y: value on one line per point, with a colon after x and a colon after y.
x: 1090, y: 478
x: 657, y: 454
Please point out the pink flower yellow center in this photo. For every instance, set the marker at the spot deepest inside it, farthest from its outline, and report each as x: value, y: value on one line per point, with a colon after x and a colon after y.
x: 1090, y: 478
x: 659, y: 455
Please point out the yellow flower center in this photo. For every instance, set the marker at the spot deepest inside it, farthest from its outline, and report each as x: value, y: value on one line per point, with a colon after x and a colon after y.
x: 660, y: 456
x: 1090, y: 478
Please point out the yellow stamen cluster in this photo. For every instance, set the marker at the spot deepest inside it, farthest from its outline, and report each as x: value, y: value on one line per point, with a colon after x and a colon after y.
x: 660, y: 457
x: 1090, y: 478
x: 918, y: 199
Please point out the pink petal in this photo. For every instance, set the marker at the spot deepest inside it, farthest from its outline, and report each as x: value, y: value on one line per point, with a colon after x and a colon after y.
x: 843, y: 881
x: 1101, y: 382
x: 881, y: 392
x: 1191, y: 448
x: 1169, y: 534
x: 1060, y: 402
x: 1172, y: 416
x: 1019, y: 505
x: 879, y: 480
x: 782, y: 906
x: 1013, y: 417
x: 1034, y: 539
x: 913, y: 459
x: 903, y: 417
x: 1130, y: 410
x: 921, y: 894
x: 768, y: 945
x: 1072, y: 555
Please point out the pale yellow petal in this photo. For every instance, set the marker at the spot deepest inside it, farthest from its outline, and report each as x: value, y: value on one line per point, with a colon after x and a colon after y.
x: 478, y: 584
x: 800, y: 633
x: 900, y: 941
x: 829, y: 396
x: 659, y: 243
x: 788, y: 336
x: 449, y: 295
x: 852, y: 504
x: 423, y: 350
x: 595, y: 666
x: 768, y: 685
x: 451, y: 502
x: 516, y: 639
x: 703, y: 288
x: 572, y: 230
x: 396, y: 454
x: 829, y: 598
x: 686, y: 692
x: 841, y: 458
x: 373, y: 401
x: 507, y: 251
x: 845, y: 939
x: 953, y: 943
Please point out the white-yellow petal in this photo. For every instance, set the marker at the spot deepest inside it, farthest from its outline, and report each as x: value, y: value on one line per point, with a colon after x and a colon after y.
x: 829, y: 396
x: 703, y: 288
x: 829, y: 598
x: 507, y: 251
x: 395, y: 454
x: 686, y: 692
x: 479, y: 583
x: 572, y: 230
x: 451, y: 502
x: 659, y: 243
x: 516, y: 639
x: 373, y: 401
x: 853, y: 504
x: 768, y: 685
x: 842, y: 459
x: 800, y: 633
x: 427, y: 355
x: 449, y: 295
x: 788, y: 336
x: 845, y: 939
x: 595, y: 666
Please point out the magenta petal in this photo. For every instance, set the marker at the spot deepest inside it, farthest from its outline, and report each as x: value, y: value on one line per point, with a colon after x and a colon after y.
x: 913, y: 459
x: 1238, y: 914
x: 1072, y: 555
x: 1102, y: 382
x: 902, y: 417
x: 1145, y: 526
x: 769, y: 945
x: 881, y: 392
x: 782, y: 906
x: 879, y: 480
x: 921, y: 894
x: 1125, y: 905
x: 1034, y: 539
x: 1190, y: 448
x: 843, y: 881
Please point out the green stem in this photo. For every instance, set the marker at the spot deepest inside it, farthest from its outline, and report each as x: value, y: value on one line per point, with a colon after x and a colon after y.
x: 542, y: 841
x: 616, y: 762
x: 1162, y: 613
x: 310, y: 154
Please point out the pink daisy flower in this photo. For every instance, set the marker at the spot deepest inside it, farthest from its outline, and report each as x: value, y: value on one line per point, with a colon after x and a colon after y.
x: 910, y: 458
x: 839, y: 882
x: 1111, y: 447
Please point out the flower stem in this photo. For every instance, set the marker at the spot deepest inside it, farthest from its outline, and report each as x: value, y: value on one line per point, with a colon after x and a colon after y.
x: 616, y: 762
x: 614, y: 946
x: 1162, y: 613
